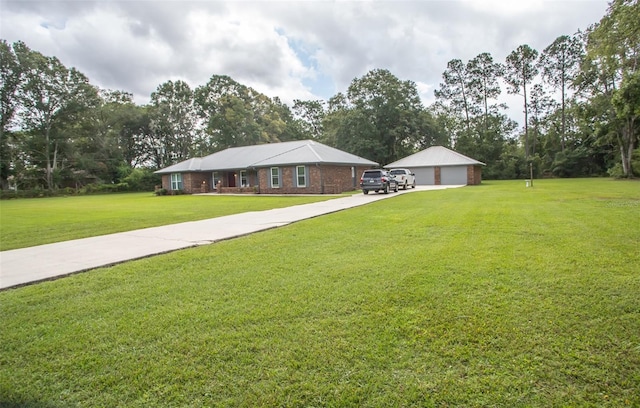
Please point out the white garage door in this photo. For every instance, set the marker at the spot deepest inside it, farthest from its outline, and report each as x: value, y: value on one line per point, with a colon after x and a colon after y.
x: 455, y: 175
x: 425, y: 176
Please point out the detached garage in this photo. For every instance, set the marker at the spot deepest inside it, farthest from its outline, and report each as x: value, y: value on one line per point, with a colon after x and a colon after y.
x: 438, y: 165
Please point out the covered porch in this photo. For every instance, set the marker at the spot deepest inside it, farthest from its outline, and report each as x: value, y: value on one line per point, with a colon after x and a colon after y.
x: 235, y: 181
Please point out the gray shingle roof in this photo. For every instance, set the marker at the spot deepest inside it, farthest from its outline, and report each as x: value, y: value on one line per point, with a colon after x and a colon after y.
x: 434, y: 156
x: 268, y: 155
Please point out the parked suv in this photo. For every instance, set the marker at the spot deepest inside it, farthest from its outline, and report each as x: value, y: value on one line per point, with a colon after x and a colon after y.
x: 404, y: 177
x: 378, y: 180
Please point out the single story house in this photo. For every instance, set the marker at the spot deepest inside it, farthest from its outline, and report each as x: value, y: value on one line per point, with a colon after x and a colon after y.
x: 296, y: 167
x: 438, y: 165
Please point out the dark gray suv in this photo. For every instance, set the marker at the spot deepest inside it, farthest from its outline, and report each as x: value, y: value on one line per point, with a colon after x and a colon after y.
x: 378, y: 180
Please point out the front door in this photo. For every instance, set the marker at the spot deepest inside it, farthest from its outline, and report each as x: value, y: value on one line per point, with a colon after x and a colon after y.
x: 231, y: 179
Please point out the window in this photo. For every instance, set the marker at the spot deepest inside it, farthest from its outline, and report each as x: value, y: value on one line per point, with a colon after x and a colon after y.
x: 243, y: 178
x: 176, y: 181
x: 275, y: 177
x: 216, y: 179
x: 301, y: 172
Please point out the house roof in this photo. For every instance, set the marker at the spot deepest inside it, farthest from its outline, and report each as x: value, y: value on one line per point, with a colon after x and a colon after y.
x: 267, y: 155
x: 434, y: 156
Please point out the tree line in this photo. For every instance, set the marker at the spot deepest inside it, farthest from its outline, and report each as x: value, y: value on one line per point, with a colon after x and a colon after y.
x: 580, y: 99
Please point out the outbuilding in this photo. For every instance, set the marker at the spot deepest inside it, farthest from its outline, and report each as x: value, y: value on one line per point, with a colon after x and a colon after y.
x: 438, y: 165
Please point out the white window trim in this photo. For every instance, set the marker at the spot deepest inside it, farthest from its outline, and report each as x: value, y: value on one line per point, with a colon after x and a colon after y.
x: 176, y: 181
x: 304, y: 175
x: 277, y: 177
x: 244, y: 180
x: 215, y: 176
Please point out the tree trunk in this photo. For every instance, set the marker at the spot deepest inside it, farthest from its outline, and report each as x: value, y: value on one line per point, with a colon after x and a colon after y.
x: 48, y: 175
x: 466, y: 110
x: 55, y: 165
x: 564, y: 117
x: 526, y: 122
x: 630, y: 131
x: 625, y: 141
x: 625, y: 163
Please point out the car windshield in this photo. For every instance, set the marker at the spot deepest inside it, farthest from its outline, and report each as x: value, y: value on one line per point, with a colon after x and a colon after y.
x: 396, y: 172
x: 372, y: 174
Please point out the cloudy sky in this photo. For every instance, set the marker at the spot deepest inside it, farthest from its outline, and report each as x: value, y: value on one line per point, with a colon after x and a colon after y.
x: 291, y: 49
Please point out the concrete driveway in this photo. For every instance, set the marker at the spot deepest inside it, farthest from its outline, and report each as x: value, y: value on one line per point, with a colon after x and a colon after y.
x: 27, y: 265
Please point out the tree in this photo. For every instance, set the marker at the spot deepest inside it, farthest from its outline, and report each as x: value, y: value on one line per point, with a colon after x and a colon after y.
x: 520, y: 71
x: 612, y: 58
x: 385, y: 118
x: 455, y: 90
x: 236, y: 115
x: 483, y: 86
x: 136, y: 138
x: 626, y: 102
x: 284, y: 119
x: 446, y: 121
x: 99, y: 152
x: 173, y: 121
x: 271, y: 117
x: 467, y: 108
x: 50, y: 95
x: 334, y: 122
x: 540, y: 105
x: 559, y: 63
x: 11, y: 77
x: 432, y: 133
x: 310, y: 115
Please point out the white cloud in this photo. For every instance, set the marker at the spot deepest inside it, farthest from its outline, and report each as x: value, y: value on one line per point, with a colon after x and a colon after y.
x: 426, y: 93
x: 291, y: 49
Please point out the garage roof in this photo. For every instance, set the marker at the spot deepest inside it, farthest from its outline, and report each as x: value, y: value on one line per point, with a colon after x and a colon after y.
x: 267, y: 155
x: 434, y: 156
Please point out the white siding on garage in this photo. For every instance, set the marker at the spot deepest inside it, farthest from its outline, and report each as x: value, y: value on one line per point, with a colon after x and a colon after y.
x: 453, y: 175
x: 425, y: 176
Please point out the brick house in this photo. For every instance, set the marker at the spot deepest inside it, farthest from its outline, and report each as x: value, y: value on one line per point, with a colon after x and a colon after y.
x: 296, y: 167
x: 438, y: 165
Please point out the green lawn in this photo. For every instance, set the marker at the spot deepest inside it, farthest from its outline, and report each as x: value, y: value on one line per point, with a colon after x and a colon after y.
x: 29, y: 222
x: 496, y: 295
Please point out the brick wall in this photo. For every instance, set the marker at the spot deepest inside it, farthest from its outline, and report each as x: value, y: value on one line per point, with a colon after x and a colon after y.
x: 474, y: 175
x: 166, y: 181
x: 192, y: 183
x: 320, y: 180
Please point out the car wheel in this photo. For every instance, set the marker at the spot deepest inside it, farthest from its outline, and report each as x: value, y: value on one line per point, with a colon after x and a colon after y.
x: 365, y: 191
x: 405, y: 186
x: 414, y: 185
x: 395, y: 189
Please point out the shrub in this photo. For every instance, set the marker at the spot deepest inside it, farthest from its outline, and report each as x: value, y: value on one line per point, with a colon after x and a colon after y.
x: 68, y: 191
x: 142, y: 180
x: 34, y: 193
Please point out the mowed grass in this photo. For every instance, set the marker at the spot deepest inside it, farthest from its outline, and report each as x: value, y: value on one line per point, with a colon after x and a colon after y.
x: 495, y: 295
x: 30, y: 222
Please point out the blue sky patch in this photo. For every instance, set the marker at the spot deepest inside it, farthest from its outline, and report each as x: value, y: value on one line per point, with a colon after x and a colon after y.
x: 320, y: 84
